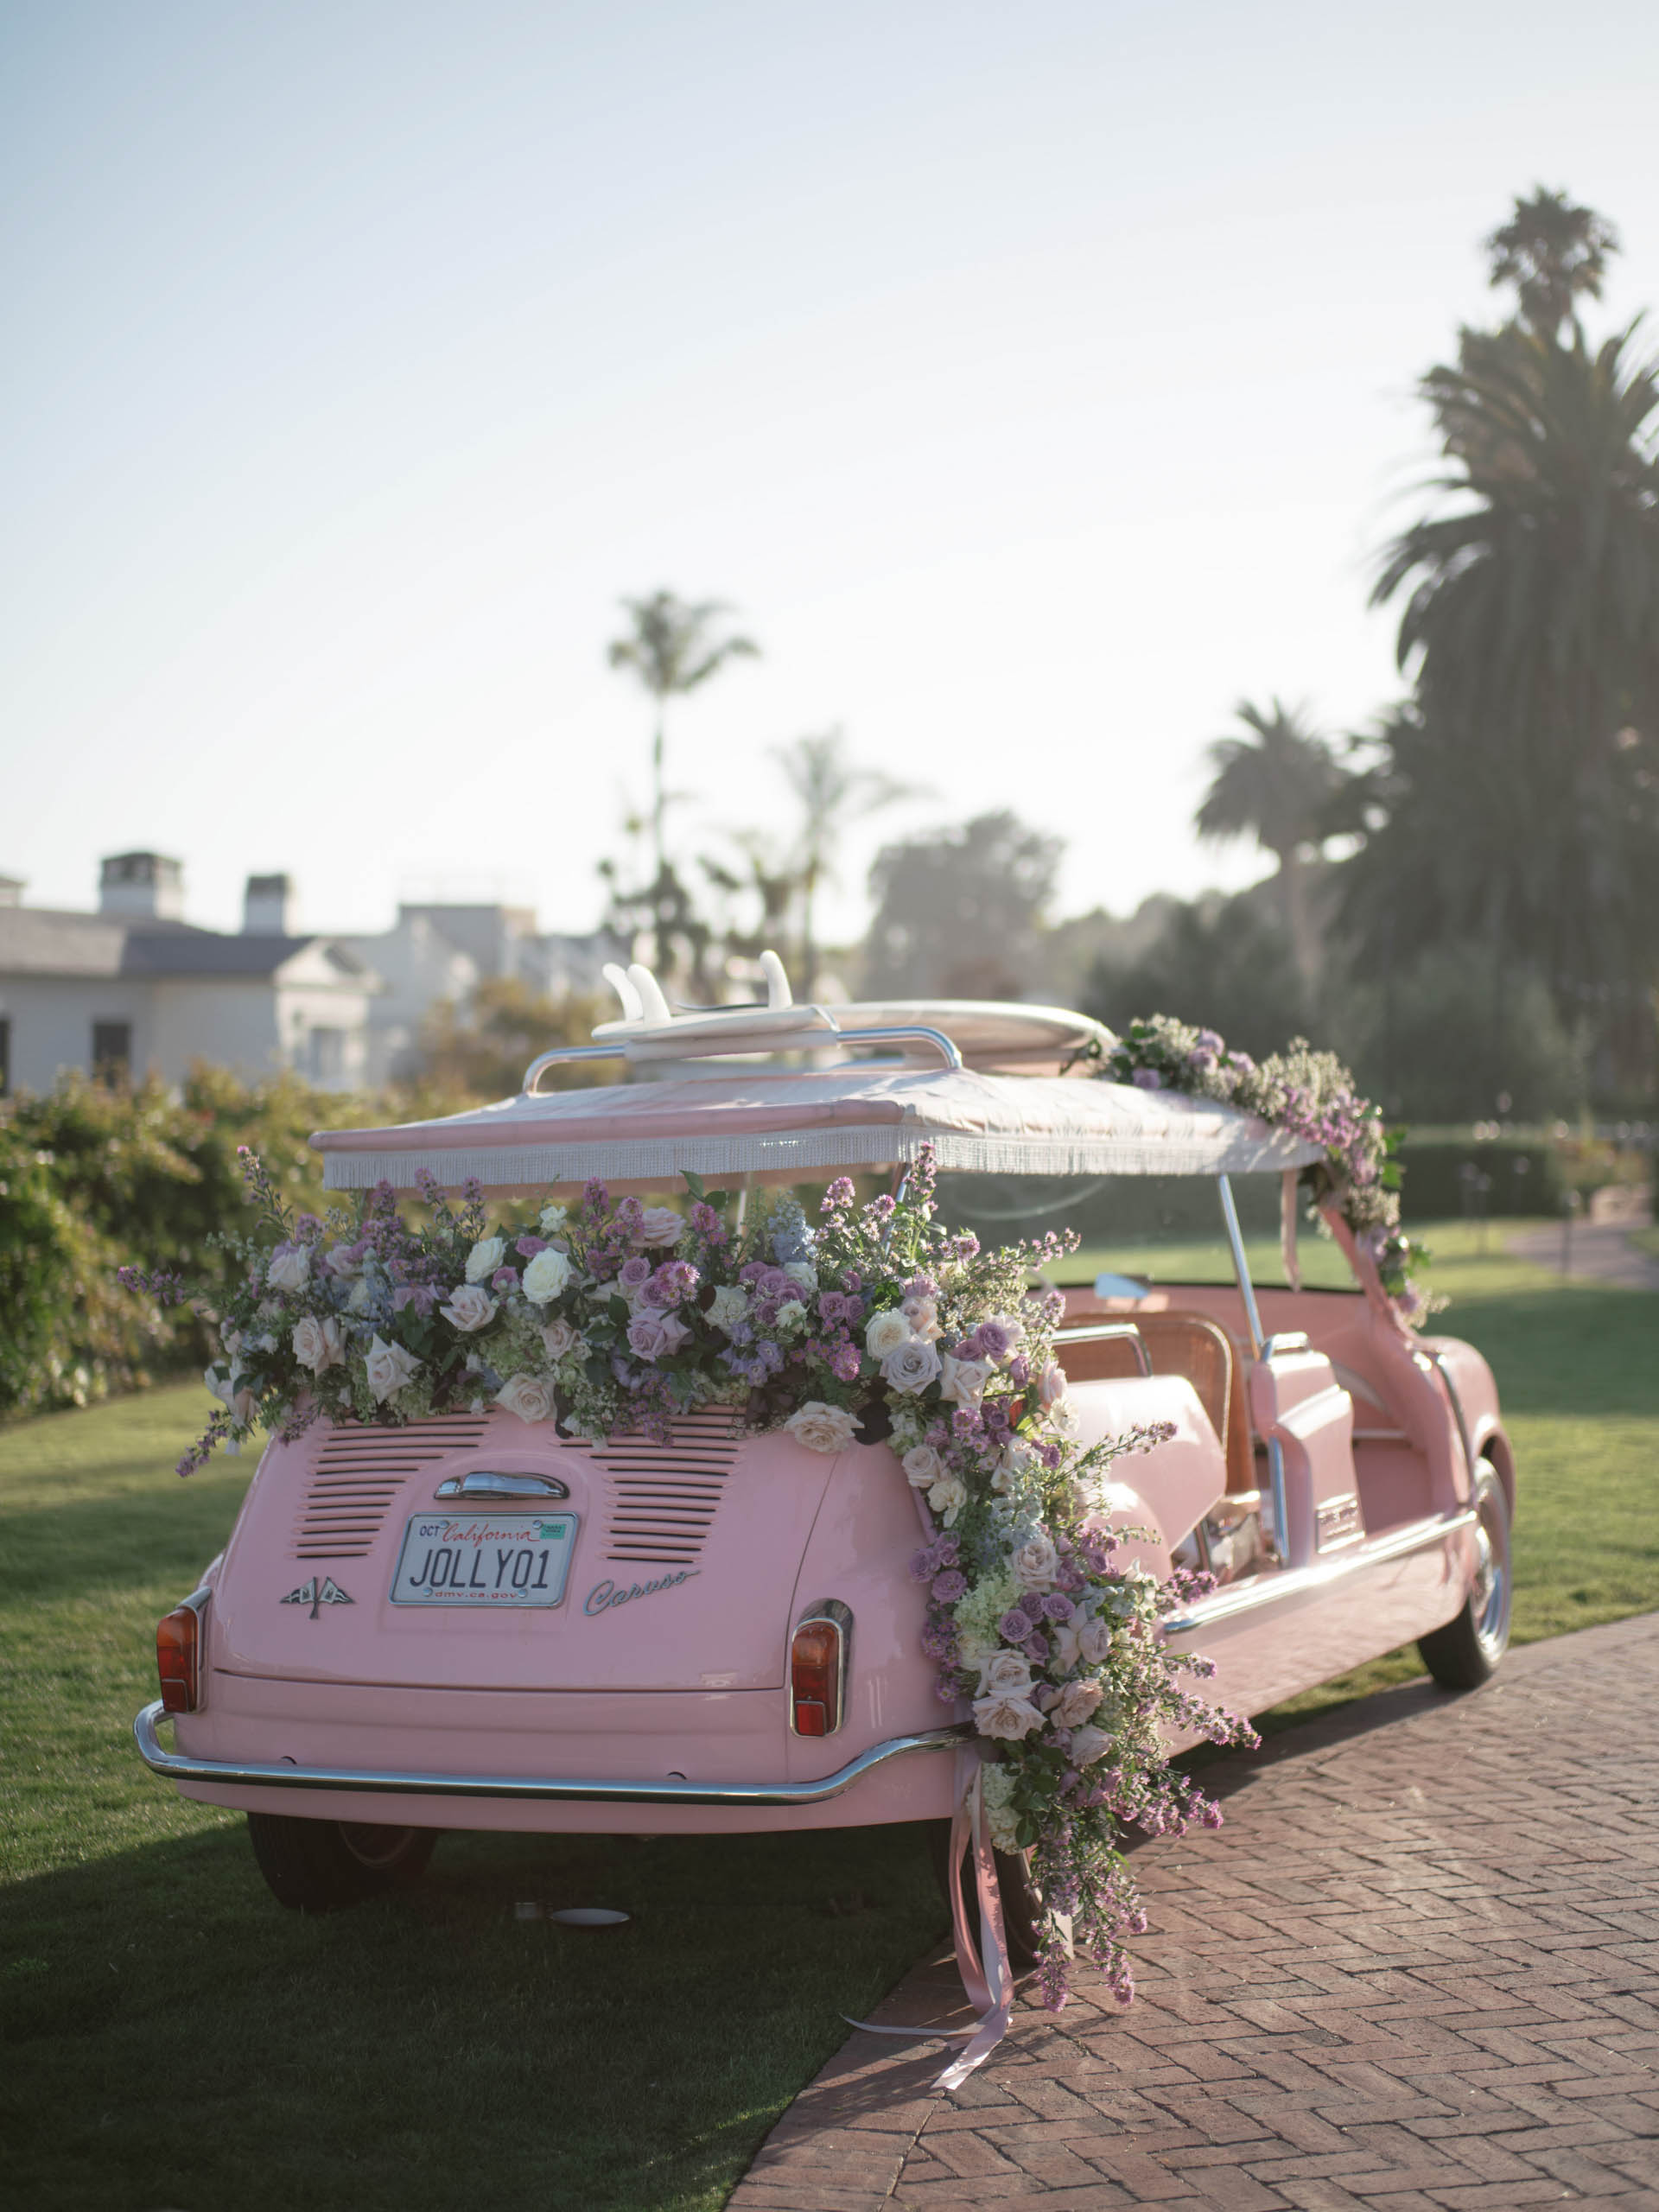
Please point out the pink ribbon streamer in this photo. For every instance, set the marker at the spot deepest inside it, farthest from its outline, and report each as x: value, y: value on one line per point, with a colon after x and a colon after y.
x: 982, y: 1958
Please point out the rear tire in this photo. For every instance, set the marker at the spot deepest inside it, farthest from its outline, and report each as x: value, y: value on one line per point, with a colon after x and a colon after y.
x: 324, y: 1865
x: 1465, y: 1653
x: 1022, y: 1901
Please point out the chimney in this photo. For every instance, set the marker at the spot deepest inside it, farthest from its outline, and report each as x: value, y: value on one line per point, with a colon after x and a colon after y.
x: 268, y: 906
x: 145, y: 886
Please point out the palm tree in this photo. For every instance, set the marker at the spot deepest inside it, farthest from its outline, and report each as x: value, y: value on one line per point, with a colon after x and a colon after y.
x: 833, y: 794
x: 1531, y: 616
x: 1277, y: 786
x: 671, y: 650
x: 1553, y: 251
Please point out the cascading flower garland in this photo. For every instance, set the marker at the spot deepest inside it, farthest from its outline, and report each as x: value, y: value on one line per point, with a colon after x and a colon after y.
x: 1310, y: 1096
x: 875, y: 1324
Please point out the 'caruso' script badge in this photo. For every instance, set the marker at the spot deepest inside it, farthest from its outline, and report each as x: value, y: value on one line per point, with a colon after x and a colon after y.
x: 604, y: 1595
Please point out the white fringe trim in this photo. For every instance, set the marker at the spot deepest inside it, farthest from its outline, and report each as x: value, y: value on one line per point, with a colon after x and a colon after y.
x: 655, y: 1163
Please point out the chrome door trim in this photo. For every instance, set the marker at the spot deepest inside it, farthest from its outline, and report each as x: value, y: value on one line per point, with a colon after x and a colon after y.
x: 246, y: 1774
x: 1307, y: 1581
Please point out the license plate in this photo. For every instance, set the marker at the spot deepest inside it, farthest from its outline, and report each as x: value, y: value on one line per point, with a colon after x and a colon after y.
x: 485, y: 1558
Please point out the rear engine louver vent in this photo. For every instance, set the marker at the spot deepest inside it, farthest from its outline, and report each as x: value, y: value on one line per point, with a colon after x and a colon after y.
x: 359, y: 1474
x: 664, y: 1496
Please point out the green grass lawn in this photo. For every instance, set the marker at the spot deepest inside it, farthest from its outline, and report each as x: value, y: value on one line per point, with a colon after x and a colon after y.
x: 175, y: 2039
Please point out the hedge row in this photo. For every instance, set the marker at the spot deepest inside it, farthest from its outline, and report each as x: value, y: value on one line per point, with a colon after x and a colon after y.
x: 92, y: 1180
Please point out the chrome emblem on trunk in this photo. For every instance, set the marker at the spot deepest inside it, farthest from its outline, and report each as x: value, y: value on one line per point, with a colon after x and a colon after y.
x: 317, y: 1594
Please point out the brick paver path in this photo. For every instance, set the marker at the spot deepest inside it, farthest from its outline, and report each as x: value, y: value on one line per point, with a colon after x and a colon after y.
x: 1418, y: 1968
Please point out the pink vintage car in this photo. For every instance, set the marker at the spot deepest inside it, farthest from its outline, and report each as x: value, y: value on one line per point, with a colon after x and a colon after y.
x: 472, y: 1622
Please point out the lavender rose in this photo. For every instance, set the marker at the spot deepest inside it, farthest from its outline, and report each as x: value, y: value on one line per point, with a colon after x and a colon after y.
x: 910, y: 1366
x: 1088, y: 1745
x: 1077, y: 1702
x: 558, y: 1338
x: 923, y: 1467
x: 658, y: 1225
x: 1035, y: 1564
x: 1095, y: 1641
x: 1009, y: 1718
x: 965, y: 1380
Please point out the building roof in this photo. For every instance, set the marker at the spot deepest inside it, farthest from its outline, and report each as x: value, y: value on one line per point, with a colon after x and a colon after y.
x: 40, y: 941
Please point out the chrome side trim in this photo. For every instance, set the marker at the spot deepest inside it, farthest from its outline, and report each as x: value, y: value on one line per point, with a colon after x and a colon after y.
x: 708, y: 1047
x: 1445, y: 1373
x: 255, y: 1774
x: 1304, y: 1581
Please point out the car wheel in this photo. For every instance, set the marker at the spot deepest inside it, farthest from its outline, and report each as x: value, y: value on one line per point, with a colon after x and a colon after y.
x: 1022, y: 1900
x: 321, y: 1865
x: 1464, y: 1654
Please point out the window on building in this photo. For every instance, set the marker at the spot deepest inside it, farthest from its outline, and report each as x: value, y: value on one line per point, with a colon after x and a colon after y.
x: 111, y: 1052
x: 325, y: 1052
x: 5, y: 1055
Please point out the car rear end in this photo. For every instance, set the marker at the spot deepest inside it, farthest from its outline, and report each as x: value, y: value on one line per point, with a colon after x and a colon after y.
x: 471, y: 1621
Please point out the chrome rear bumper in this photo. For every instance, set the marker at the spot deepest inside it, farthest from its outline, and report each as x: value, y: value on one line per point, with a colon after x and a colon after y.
x: 245, y: 1774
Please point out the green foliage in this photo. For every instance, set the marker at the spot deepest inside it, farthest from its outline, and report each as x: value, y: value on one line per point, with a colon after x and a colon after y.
x: 99, y: 1178
x: 959, y: 911
x: 483, y: 1052
x: 1228, y: 966
x: 1450, y: 1037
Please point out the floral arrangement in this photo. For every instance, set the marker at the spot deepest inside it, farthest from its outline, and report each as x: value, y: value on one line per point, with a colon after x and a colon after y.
x: 1310, y: 1096
x: 874, y: 1324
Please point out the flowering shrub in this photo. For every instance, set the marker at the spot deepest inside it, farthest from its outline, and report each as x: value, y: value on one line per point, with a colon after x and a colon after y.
x: 875, y: 1323
x: 1310, y: 1096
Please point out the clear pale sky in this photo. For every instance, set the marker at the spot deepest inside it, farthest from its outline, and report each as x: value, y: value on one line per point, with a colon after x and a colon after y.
x: 1036, y: 380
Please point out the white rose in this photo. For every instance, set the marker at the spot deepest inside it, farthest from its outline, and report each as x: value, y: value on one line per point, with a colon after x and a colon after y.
x: 923, y: 1315
x: 791, y: 1315
x: 553, y: 1219
x: 389, y: 1367
x: 228, y: 1389
x: 558, y: 1338
x: 1015, y: 1466
x: 529, y: 1396
x: 1008, y: 1717
x: 470, y: 1307
x: 729, y: 1306
x: 484, y: 1258
x: 948, y: 1496
x: 1005, y: 1673
x: 802, y: 1272
x: 362, y: 1296
x: 1052, y: 1387
x: 1076, y: 1703
x: 659, y: 1225
x: 318, y: 1344
x: 547, y: 1275
x: 910, y: 1366
x: 1095, y: 1642
x: 1036, y: 1564
x: 885, y: 1333
x: 923, y: 1467
x: 965, y: 1380
x: 822, y: 1427
x: 1064, y: 1418
x: 1088, y: 1745
x: 288, y: 1267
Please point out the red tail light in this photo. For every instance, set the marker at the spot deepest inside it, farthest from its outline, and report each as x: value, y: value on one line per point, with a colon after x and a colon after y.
x: 818, y: 1670
x: 178, y: 1658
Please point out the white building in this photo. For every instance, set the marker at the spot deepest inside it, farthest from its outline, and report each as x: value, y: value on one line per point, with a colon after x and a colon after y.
x: 134, y: 988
